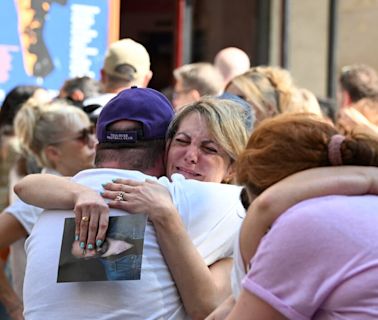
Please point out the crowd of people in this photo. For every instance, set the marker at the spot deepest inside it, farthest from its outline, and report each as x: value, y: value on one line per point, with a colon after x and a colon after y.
x: 258, y: 198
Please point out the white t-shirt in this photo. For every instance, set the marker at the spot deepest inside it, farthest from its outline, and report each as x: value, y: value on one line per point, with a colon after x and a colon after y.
x: 238, y: 269
x: 27, y: 215
x: 212, y: 214
x: 100, y: 100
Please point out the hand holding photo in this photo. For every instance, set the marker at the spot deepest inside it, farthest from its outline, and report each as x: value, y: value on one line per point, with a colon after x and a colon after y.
x: 118, y: 258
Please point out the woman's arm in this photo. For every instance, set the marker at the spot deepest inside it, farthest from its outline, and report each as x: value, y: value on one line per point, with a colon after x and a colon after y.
x: 317, y: 182
x: 223, y: 310
x: 201, y: 288
x: 8, y: 297
x: 48, y: 191
x: 250, y: 307
x: 11, y: 230
x: 53, y: 192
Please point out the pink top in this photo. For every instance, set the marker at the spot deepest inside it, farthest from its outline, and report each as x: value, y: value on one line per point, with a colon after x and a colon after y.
x: 320, y: 260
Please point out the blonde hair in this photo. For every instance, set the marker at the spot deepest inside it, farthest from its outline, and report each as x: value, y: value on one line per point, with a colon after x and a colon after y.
x: 271, y: 90
x: 303, y: 101
x: 40, y: 125
x: 225, y: 120
x: 259, y: 92
x: 281, y: 80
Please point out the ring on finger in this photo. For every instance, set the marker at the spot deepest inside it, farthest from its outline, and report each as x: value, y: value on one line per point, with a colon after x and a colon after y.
x: 85, y: 218
x: 121, y: 196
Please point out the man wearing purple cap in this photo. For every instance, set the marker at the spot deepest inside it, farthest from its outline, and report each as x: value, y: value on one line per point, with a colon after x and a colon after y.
x: 131, y: 132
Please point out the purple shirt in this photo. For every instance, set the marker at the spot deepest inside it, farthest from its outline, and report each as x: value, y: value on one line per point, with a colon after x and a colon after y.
x: 320, y: 260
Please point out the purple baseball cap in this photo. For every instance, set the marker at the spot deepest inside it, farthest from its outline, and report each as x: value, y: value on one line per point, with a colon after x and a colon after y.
x: 144, y: 105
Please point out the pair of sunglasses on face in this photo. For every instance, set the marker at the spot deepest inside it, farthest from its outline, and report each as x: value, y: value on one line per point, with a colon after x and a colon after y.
x: 83, y: 135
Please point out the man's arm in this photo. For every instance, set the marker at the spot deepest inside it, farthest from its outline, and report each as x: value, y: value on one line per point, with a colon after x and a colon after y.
x: 53, y: 192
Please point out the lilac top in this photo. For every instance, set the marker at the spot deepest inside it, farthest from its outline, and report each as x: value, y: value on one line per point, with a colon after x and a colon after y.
x: 320, y: 260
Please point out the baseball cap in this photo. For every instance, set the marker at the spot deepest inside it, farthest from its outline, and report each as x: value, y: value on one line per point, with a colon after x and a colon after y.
x: 144, y: 105
x: 130, y: 52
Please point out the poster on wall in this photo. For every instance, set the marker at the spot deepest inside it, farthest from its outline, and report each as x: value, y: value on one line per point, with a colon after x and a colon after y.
x: 46, y: 42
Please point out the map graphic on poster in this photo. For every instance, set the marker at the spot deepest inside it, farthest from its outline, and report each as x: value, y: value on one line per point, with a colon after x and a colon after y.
x: 45, y: 42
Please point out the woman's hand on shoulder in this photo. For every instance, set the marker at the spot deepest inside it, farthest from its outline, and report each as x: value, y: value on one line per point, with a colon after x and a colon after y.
x: 140, y: 197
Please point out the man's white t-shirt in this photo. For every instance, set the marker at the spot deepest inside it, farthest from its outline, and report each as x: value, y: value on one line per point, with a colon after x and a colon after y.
x: 212, y: 214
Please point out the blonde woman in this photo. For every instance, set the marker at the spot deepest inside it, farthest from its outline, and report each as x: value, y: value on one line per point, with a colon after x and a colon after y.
x: 62, y: 140
x: 271, y: 91
x: 203, y: 142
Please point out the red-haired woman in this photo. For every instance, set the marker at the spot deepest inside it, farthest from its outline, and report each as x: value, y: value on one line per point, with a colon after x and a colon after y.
x: 319, y: 260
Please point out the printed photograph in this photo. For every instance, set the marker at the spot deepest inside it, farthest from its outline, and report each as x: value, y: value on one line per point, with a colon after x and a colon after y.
x: 119, y: 258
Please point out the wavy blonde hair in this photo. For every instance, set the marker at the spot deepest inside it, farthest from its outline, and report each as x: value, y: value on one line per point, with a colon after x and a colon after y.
x: 40, y: 125
x: 225, y: 120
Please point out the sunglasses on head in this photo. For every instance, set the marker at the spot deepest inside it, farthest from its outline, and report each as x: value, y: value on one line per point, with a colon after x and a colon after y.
x: 83, y: 135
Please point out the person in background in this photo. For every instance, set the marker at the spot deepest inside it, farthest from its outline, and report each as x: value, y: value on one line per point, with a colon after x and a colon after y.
x: 361, y: 115
x: 194, y: 81
x: 231, y: 62
x: 10, y: 151
x: 126, y: 64
x: 62, y: 149
x: 258, y: 91
x: 292, y: 98
x: 357, y: 81
x: 77, y: 89
x: 15, y: 99
x: 271, y: 91
x: 12, y: 163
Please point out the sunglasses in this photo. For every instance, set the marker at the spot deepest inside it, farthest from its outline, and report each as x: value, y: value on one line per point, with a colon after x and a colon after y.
x: 83, y: 135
